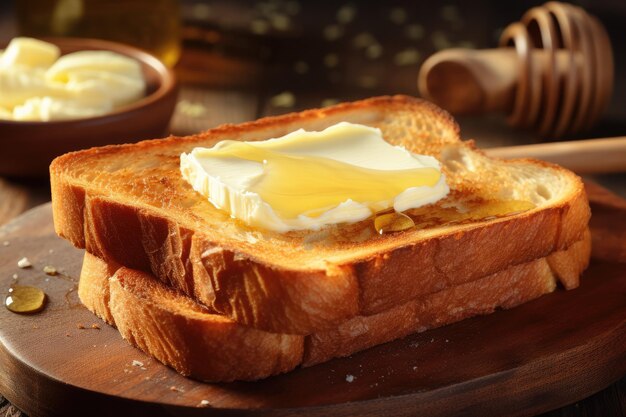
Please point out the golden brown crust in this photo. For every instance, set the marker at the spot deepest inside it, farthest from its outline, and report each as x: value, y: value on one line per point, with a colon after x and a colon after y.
x: 513, y: 286
x: 128, y: 204
x: 180, y: 333
x: 504, y: 289
x: 569, y: 264
x: 186, y: 336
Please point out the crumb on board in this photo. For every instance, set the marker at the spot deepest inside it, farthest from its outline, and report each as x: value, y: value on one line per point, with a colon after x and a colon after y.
x: 24, y: 263
x: 204, y: 403
x: 137, y: 363
x: 80, y: 326
x: 350, y: 378
x: 95, y: 326
x: 49, y: 270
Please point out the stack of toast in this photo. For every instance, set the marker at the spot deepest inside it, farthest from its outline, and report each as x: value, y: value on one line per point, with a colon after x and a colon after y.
x: 220, y: 301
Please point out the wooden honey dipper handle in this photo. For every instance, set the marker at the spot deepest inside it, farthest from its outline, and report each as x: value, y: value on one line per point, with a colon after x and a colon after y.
x: 469, y: 81
x: 592, y: 156
x: 553, y: 72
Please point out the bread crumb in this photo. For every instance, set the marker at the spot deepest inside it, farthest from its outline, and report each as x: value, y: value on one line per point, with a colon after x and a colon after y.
x: 350, y: 378
x: 414, y: 368
x: 80, y: 326
x: 143, y: 368
x: 49, y: 270
x: 50, y: 251
x: 204, y: 403
x: 173, y: 388
x: 432, y: 340
x: 95, y: 326
x: 414, y: 344
x: 137, y: 363
x: 24, y: 263
x: 15, y: 276
x: 447, y: 340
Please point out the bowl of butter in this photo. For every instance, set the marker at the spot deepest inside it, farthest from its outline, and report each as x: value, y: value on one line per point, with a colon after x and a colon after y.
x: 63, y: 94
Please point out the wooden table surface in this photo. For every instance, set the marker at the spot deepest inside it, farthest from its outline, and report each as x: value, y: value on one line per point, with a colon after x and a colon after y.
x: 231, y: 76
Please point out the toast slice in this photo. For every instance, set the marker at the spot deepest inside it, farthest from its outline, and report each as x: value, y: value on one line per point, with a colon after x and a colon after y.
x: 128, y: 204
x: 183, y: 334
x: 180, y: 332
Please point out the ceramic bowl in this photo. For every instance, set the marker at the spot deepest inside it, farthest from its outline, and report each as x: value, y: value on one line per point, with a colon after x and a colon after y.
x: 27, y: 148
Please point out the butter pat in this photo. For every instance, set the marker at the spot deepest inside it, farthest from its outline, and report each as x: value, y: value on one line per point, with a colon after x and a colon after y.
x: 29, y: 52
x: 307, y: 180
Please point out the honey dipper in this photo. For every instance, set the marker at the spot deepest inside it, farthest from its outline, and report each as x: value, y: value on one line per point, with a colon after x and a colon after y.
x: 552, y: 72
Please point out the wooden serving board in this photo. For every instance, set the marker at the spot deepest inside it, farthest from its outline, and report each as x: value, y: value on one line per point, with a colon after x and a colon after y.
x: 539, y: 356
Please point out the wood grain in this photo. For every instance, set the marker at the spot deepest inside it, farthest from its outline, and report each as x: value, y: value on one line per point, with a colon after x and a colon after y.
x: 13, y: 200
x: 534, y: 358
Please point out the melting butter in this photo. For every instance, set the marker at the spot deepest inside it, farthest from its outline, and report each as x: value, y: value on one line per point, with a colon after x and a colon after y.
x: 307, y: 180
x: 296, y: 185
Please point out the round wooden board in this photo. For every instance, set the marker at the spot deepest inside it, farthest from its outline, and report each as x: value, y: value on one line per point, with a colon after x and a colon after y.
x: 542, y: 355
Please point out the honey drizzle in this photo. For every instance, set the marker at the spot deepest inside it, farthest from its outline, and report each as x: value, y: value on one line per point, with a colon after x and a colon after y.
x: 392, y: 222
x: 389, y: 221
x: 24, y: 299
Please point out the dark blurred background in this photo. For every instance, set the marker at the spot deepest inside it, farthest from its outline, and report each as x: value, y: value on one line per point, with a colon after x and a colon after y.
x: 293, y: 54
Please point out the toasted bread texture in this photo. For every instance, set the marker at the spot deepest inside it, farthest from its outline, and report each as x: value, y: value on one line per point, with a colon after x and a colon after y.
x: 128, y: 204
x: 180, y: 332
x: 185, y: 335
